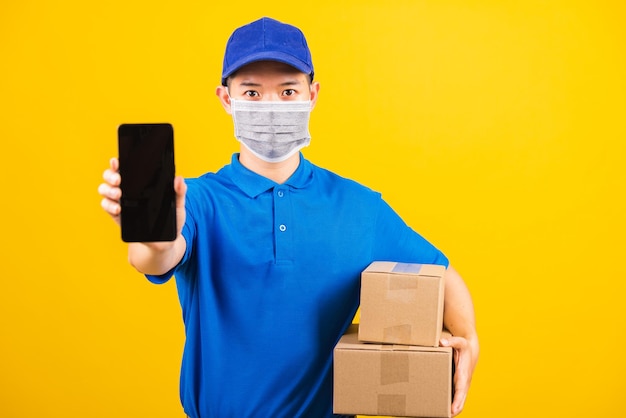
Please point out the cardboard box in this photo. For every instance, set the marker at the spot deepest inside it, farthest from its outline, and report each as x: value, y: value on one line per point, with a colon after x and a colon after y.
x: 402, y: 303
x: 392, y: 380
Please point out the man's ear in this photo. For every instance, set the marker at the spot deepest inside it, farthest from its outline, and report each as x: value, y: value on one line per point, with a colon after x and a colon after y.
x: 315, y: 89
x: 224, y: 97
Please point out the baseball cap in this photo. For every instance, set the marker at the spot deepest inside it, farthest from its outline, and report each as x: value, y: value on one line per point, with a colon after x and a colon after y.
x: 266, y: 39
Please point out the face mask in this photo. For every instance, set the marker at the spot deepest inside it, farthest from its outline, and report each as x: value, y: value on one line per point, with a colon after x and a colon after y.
x: 273, y: 131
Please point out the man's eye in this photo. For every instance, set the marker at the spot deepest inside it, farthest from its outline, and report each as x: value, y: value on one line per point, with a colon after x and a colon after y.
x: 289, y: 92
x: 252, y: 93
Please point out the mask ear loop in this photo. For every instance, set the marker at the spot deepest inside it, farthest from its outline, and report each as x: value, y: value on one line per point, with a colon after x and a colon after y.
x: 230, y: 100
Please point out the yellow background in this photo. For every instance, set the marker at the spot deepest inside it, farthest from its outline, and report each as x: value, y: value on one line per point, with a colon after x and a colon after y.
x: 495, y: 128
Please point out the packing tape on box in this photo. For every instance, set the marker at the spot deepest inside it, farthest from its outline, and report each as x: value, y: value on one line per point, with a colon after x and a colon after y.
x: 401, y: 289
x: 394, y: 405
x: 394, y: 368
x: 397, y: 333
x: 402, y: 283
x: 407, y: 268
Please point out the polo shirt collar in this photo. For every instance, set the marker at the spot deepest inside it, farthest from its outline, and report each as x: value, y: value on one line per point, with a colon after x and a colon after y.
x: 254, y: 184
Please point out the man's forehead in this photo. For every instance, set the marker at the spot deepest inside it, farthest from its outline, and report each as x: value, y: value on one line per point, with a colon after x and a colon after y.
x: 260, y: 73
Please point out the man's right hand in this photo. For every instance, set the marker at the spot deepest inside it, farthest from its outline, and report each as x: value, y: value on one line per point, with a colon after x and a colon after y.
x: 147, y: 257
x: 110, y: 190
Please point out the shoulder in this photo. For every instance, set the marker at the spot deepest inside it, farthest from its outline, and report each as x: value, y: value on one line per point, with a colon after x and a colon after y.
x: 200, y: 186
x: 203, y: 181
x: 337, y: 182
x: 208, y: 182
x: 203, y: 192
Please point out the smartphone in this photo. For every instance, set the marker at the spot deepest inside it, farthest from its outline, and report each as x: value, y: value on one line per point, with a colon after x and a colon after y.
x: 146, y: 157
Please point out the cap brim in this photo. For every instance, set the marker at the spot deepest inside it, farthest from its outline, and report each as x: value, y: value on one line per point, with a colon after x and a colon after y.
x: 268, y: 56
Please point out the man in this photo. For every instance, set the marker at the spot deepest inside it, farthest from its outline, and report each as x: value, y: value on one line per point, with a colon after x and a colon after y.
x: 270, y: 249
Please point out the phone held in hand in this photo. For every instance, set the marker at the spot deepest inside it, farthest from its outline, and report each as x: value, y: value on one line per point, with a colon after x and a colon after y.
x: 148, y: 202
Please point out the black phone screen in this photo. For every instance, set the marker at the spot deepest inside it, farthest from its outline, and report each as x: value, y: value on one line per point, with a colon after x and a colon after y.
x: 146, y: 157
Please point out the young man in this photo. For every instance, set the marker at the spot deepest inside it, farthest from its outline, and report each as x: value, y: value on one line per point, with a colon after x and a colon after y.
x: 270, y: 249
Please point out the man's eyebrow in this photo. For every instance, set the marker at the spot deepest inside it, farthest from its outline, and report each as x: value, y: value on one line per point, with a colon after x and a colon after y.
x: 249, y: 84
x: 291, y: 83
x: 285, y: 83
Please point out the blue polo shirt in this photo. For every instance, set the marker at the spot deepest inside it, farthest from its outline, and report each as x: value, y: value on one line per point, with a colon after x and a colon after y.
x: 270, y: 281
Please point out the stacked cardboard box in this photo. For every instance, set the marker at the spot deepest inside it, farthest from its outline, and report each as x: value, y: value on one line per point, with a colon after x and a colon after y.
x: 391, y: 363
x: 402, y: 303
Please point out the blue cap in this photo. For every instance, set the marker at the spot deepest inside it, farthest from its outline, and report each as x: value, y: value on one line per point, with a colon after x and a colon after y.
x: 266, y: 40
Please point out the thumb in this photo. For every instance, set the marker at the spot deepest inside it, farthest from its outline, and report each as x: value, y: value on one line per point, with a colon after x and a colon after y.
x: 180, y: 187
x: 114, y: 163
x: 454, y: 342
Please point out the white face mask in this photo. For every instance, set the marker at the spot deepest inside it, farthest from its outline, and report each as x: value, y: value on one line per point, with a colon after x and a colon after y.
x: 273, y: 131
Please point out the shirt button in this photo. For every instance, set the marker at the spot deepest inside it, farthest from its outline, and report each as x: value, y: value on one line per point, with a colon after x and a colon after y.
x: 282, y: 228
x: 281, y: 193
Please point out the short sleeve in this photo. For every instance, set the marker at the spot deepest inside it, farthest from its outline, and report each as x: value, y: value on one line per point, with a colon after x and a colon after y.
x: 396, y: 241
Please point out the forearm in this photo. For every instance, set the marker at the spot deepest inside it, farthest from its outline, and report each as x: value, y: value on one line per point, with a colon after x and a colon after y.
x: 156, y: 258
x: 458, y: 316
